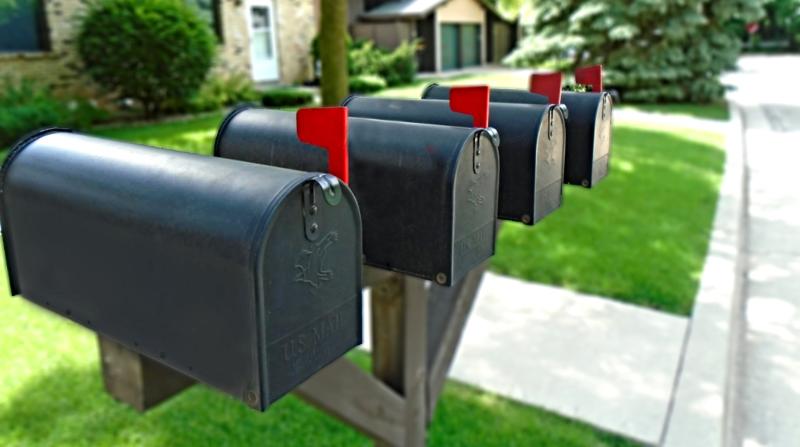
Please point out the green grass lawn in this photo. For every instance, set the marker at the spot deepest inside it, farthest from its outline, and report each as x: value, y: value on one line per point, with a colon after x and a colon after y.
x: 641, y: 236
x: 51, y: 394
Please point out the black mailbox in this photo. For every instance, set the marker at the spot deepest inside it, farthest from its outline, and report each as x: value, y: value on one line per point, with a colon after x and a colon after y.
x: 216, y: 268
x: 428, y: 194
x: 531, y: 147
x: 588, y: 129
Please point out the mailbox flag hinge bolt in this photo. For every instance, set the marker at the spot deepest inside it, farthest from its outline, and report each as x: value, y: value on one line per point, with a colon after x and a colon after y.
x: 252, y: 398
x: 441, y: 278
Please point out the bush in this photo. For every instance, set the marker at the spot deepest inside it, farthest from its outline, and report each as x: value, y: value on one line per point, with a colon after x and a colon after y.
x: 367, y: 84
x: 25, y: 107
x: 396, y: 67
x: 154, y: 51
x: 400, y: 66
x: 286, y: 97
x: 221, y: 91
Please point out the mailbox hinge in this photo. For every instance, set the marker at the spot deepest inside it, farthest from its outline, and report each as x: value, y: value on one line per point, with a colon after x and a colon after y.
x: 332, y: 195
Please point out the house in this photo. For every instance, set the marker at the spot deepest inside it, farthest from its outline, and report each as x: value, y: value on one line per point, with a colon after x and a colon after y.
x: 268, y: 40
x: 454, y: 33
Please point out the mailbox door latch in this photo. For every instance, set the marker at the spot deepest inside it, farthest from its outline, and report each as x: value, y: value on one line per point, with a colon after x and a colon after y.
x: 331, y: 194
x: 476, y: 153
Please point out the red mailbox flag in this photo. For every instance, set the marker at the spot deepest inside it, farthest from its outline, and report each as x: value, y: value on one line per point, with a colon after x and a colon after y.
x: 473, y: 101
x: 592, y: 75
x: 326, y: 127
x: 547, y: 84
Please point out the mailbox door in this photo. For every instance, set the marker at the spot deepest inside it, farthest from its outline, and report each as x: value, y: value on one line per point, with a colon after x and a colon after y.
x: 588, y: 137
x: 310, y: 260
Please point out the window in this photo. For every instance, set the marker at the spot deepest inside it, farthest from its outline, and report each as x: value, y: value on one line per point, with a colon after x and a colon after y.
x: 22, y: 26
x: 210, y: 12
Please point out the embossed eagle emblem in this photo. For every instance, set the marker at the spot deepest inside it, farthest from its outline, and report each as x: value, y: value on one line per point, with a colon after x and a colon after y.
x: 311, y: 264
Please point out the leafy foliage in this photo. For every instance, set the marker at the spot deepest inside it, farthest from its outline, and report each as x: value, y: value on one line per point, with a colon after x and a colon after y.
x: 367, y: 84
x: 780, y: 30
x: 221, y: 91
x: 26, y: 106
x: 396, y: 67
x: 665, y: 50
x: 155, y: 51
x: 286, y: 97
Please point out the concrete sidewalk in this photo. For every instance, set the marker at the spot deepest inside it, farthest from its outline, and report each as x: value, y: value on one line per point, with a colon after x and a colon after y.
x: 600, y: 361
x: 767, y: 403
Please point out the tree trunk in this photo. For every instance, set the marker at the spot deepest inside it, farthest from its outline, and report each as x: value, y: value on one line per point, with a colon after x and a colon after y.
x: 333, y: 51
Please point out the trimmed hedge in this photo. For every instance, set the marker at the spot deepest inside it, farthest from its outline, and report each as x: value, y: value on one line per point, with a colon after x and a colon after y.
x: 157, y: 52
x: 286, y: 97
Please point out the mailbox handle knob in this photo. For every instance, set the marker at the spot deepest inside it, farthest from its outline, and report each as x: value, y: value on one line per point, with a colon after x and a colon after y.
x: 472, y: 100
x: 592, y: 75
x: 547, y: 84
x: 326, y: 127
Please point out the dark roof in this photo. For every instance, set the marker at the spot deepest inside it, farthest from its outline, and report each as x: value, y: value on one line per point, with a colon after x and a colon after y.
x: 413, y: 9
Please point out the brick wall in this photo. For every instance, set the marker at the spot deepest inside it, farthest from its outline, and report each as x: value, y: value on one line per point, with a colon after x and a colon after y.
x: 297, y: 26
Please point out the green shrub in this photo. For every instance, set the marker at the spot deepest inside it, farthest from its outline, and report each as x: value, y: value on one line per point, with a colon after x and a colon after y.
x: 286, y: 97
x: 400, y: 66
x: 396, y: 67
x: 580, y: 88
x: 367, y: 84
x: 221, y: 91
x: 157, y: 52
x: 26, y: 106
x: 363, y: 58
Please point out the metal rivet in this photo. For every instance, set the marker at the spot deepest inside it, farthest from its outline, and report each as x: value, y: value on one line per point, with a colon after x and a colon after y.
x: 313, y: 210
x: 585, y: 183
x: 478, y: 151
x: 477, y: 165
x: 441, y: 278
x: 314, y: 228
x: 526, y: 219
x: 252, y: 398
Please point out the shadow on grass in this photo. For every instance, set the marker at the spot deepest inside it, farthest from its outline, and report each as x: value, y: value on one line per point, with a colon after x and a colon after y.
x: 67, y: 406
x: 641, y: 235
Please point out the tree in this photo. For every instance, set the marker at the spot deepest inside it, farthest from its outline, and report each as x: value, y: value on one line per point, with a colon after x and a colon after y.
x: 333, y: 51
x: 652, y: 50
